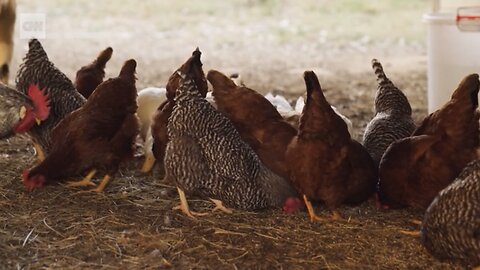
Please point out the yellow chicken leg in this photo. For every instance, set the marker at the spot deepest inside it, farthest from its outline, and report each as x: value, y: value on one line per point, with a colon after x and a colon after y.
x: 411, y: 233
x: 102, y: 184
x: 148, y: 163
x: 219, y: 206
x: 39, y: 152
x: 311, y: 212
x: 86, y: 181
x: 184, y: 205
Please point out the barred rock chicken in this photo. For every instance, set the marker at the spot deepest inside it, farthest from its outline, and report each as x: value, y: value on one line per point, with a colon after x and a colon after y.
x: 161, y: 116
x: 256, y: 119
x: 91, y: 75
x: 414, y: 169
x: 19, y: 112
x: 148, y: 101
x: 325, y: 163
x: 451, y: 225
x: 64, y: 98
x: 393, y: 116
x: 207, y: 157
x: 7, y: 25
x: 97, y: 136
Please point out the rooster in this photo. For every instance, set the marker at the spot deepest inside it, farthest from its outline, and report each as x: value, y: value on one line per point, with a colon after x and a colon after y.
x: 325, y: 163
x: 414, y: 169
x: 451, y: 226
x: 19, y: 112
x: 207, y: 157
x: 64, y: 98
x: 7, y: 25
x: 97, y: 136
x: 90, y: 76
x: 393, y: 116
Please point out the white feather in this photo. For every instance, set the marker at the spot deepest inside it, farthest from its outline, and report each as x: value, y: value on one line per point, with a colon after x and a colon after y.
x: 280, y: 103
x: 148, y: 101
x: 211, y: 99
x: 300, y: 103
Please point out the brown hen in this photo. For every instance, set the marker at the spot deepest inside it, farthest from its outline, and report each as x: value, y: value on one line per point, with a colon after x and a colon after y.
x: 97, y: 136
x: 325, y: 163
x: 413, y: 170
x: 90, y: 76
x: 256, y: 119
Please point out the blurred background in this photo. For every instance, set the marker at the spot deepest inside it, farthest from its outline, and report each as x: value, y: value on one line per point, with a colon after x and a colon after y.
x: 271, y: 42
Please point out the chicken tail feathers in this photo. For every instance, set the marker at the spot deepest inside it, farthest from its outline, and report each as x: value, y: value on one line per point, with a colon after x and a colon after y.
x: 382, y: 79
x: 128, y: 70
x: 219, y: 81
x: 314, y: 90
x: 468, y: 88
x: 35, y: 50
x: 196, y: 55
x: 104, y: 57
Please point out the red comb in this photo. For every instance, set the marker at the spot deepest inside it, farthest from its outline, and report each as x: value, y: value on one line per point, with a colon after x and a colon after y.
x: 40, y: 101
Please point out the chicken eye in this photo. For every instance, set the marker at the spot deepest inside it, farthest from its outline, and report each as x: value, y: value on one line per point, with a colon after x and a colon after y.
x: 23, y: 112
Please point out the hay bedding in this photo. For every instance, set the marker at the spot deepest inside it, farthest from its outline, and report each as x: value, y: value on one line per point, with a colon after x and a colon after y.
x: 131, y: 225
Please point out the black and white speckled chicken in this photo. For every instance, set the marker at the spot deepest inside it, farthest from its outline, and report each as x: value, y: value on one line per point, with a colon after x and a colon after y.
x: 206, y: 157
x: 393, y: 116
x: 19, y: 112
x: 451, y: 226
x: 64, y: 98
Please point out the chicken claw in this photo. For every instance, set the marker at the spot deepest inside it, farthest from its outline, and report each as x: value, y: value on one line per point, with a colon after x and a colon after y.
x: 148, y: 163
x: 311, y: 212
x: 39, y: 152
x: 219, y: 206
x: 184, y: 205
x: 86, y: 181
x: 411, y: 233
x: 102, y: 184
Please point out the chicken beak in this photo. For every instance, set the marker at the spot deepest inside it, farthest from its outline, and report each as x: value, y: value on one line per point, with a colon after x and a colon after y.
x: 22, y: 112
x: 38, y: 121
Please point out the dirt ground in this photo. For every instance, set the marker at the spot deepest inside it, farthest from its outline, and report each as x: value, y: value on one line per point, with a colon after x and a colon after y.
x: 270, y: 43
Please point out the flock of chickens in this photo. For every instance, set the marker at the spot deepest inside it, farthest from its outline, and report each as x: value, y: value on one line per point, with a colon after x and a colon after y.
x: 234, y: 147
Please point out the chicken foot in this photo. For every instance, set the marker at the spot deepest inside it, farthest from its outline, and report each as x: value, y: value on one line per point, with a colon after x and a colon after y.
x: 39, y: 152
x: 184, y: 205
x: 313, y: 217
x: 311, y: 212
x: 102, y: 184
x: 219, y: 206
x: 148, y: 163
x: 412, y: 233
x: 86, y: 181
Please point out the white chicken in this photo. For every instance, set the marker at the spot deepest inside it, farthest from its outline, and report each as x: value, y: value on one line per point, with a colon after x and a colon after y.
x: 287, y: 111
x: 282, y: 105
x: 148, y: 101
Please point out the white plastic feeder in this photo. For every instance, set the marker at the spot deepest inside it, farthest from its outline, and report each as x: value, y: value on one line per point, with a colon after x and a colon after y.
x: 453, y: 51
